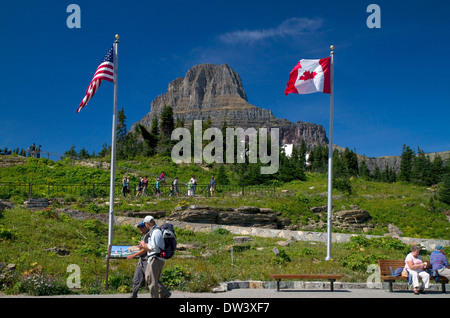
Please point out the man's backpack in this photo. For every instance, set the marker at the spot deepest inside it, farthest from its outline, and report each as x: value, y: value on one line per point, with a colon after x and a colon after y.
x: 170, y: 241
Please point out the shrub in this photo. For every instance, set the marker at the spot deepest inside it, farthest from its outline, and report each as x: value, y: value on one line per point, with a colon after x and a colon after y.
x: 89, y: 248
x: 386, y: 242
x: 360, y: 261
x: 343, y: 184
x: 95, y: 226
x: 36, y: 283
x: 48, y: 213
x: 93, y: 208
x: 119, y: 281
x: 175, y: 277
x: 41, y: 284
x: 281, y: 258
x: 5, y: 234
x: 220, y: 231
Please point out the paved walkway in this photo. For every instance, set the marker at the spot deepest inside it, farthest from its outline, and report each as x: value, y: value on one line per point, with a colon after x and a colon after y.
x: 272, y: 294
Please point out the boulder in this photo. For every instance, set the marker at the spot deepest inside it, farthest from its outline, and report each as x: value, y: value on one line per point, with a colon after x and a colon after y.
x: 394, y: 231
x: 38, y: 204
x: 352, y: 216
x: 242, y: 216
x: 238, y: 240
x: 5, y: 205
x: 58, y: 251
x: 352, y: 220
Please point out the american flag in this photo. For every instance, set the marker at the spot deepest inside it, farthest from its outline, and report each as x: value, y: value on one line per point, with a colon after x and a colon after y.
x: 105, y: 71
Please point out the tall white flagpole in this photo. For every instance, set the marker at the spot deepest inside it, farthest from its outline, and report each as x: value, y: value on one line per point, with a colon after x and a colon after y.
x: 330, y: 161
x: 113, y: 147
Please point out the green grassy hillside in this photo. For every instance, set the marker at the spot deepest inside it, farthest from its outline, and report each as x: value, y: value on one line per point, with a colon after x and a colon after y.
x: 414, y: 209
x: 26, y: 236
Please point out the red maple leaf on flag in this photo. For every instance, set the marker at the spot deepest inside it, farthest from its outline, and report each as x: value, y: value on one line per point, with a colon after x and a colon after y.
x: 307, y: 75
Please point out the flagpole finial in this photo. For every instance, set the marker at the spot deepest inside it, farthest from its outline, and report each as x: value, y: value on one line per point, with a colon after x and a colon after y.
x: 332, y: 47
x: 117, y: 37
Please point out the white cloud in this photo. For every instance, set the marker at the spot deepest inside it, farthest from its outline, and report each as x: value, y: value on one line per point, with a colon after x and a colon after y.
x: 291, y: 27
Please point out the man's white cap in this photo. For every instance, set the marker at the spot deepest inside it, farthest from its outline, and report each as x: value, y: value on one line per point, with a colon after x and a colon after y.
x: 148, y: 218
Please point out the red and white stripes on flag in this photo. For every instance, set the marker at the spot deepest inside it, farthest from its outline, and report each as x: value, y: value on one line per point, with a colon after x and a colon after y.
x: 105, y: 71
x: 310, y: 76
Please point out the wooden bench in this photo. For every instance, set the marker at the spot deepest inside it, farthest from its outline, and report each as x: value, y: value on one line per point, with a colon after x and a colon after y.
x: 331, y: 278
x: 385, y: 273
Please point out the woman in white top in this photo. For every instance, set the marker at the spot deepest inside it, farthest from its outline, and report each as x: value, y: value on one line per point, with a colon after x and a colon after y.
x: 415, y: 267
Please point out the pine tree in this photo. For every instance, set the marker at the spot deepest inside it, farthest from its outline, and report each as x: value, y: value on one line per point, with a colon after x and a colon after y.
x: 179, y: 123
x: 121, y: 126
x: 302, y: 152
x: 71, y: 153
x: 377, y: 174
x: 167, y: 123
x: 221, y: 177
x: 150, y: 140
x: 444, y: 190
x: 319, y: 158
x: 406, y: 164
x: 106, y: 150
x: 437, y: 170
x: 83, y: 154
x: 351, y: 160
x: 421, y: 169
x: 364, y: 171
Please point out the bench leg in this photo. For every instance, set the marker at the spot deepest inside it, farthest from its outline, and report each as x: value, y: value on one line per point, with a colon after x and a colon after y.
x: 391, y: 287
x: 278, y: 285
x: 332, y: 284
x: 443, y: 288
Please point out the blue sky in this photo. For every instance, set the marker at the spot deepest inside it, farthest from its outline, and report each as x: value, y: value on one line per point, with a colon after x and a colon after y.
x: 391, y: 83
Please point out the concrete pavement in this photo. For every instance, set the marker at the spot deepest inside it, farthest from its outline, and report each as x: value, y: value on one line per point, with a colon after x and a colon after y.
x: 249, y: 293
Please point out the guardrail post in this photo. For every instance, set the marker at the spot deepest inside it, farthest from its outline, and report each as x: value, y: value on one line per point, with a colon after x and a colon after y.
x: 30, y: 190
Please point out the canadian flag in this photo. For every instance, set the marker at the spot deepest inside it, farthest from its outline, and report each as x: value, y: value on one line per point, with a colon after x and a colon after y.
x: 310, y: 76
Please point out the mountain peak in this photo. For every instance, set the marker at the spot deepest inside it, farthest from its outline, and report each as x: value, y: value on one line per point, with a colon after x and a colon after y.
x: 215, y: 92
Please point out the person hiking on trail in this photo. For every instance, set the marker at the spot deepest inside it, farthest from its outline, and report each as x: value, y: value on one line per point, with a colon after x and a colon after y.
x: 30, y: 150
x: 157, y: 191
x: 140, y: 186
x: 124, y: 186
x: 162, y: 177
x: 145, y: 183
x: 155, y: 261
x: 189, y: 188
x: 212, y: 186
x: 38, y: 151
x: 139, y: 273
x: 174, y: 188
x: 194, y: 185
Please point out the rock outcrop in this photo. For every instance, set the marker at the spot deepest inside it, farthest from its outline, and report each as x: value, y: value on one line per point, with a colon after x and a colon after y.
x: 216, y: 92
x: 242, y: 216
x: 352, y: 220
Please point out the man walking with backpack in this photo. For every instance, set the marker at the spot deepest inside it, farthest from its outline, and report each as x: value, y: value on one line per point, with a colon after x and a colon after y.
x: 139, y: 273
x: 155, y: 261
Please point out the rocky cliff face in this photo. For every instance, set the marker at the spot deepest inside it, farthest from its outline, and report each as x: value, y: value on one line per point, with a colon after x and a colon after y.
x: 216, y: 92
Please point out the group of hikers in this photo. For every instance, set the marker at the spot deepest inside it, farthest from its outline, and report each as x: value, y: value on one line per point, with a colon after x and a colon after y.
x: 34, y: 151
x: 142, y: 186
